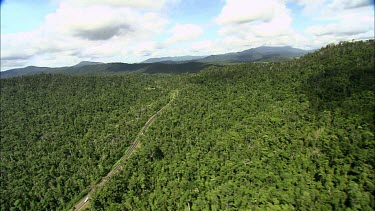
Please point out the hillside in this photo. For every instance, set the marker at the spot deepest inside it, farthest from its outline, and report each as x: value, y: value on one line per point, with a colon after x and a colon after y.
x: 59, y: 134
x: 172, y: 59
x: 103, y: 69
x: 85, y: 63
x: 181, y: 64
x: 259, y: 54
x: 295, y: 135
x: 30, y: 70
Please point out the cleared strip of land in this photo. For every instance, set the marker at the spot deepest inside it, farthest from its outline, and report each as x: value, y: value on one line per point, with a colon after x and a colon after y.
x: 84, y: 202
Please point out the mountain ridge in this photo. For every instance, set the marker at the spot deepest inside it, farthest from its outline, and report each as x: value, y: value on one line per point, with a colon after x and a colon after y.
x: 85, y: 63
x: 172, y: 59
x: 256, y: 54
x: 239, y: 56
x: 178, y: 64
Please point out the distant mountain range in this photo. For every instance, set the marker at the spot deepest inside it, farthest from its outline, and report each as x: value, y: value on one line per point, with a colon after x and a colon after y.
x: 109, y: 69
x: 173, y: 59
x: 85, y: 63
x: 166, y: 64
x: 259, y: 54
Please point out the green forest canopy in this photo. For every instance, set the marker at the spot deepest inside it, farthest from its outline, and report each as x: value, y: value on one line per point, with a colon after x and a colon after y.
x: 291, y: 135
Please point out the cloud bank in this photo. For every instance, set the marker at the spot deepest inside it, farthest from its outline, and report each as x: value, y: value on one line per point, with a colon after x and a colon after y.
x: 131, y: 31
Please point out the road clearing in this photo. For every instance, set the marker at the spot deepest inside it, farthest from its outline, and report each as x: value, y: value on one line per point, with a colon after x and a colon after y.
x: 84, y: 202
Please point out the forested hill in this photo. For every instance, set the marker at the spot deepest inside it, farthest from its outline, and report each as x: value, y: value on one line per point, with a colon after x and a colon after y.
x: 173, y: 59
x: 108, y: 69
x: 182, y: 64
x: 260, y: 54
x: 295, y: 135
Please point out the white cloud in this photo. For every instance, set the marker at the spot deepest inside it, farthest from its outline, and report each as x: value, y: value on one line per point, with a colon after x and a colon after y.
x: 244, y: 11
x: 184, y: 32
x: 352, y: 21
x: 139, y: 4
x: 147, y: 49
x: 349, y: 4
x: 77, y: 31
x: 101, y: 22
x: 202, y: 45
x: 266, y: 18
x: 32, y: 48
x: 249, y: 23
x: 128, y: 31
x: 310, y: 8
x: 319, y: 8
x: 280, y: 25
x: 210, y: 46
x: 337, y: 29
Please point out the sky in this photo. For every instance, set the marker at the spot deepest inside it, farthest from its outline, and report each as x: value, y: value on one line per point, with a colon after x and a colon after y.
x: 53, y: 33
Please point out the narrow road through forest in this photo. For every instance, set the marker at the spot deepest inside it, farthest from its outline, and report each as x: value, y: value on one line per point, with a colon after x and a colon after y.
x: 83, y: 203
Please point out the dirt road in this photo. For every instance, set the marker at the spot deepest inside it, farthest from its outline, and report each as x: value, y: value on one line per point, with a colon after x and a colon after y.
x: 84, y: 202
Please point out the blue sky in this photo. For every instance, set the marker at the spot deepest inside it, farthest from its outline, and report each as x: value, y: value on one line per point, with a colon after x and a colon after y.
x: 65, y: 32
x: 23, y: 16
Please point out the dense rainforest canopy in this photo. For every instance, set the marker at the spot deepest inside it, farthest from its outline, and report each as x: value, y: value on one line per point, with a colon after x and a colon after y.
x: 291, y: 135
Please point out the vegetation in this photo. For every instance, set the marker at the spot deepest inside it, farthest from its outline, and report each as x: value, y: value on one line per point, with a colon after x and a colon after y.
x: 183, y: 64
x: 283, y: 136
x: 260, y: 54
x: 110, y: 69
x: 60, y: 134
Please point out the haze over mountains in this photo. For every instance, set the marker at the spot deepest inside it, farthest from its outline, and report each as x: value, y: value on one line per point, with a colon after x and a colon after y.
x: 173, y: 59
x: 179, y: 64
x: 262, y: 53
x: 85, y: 63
